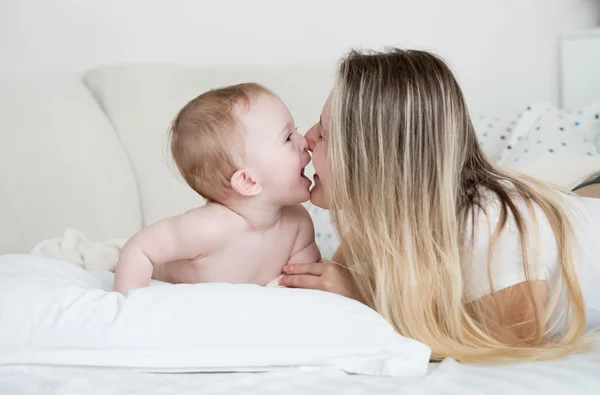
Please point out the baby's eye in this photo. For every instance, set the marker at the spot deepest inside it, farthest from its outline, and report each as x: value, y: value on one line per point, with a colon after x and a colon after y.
x: 289, y: 138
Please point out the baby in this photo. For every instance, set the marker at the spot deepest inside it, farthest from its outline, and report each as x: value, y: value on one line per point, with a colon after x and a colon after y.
x: 237, y: 147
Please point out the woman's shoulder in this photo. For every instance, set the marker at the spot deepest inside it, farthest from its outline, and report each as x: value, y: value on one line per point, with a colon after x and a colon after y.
x: 490, y: 210
x: 583, y: 213
x: 506, y: 246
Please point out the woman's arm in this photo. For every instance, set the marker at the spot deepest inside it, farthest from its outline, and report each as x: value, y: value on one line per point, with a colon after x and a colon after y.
x: 509, y: 314
x: 327, y: 276
x: 592, y: 191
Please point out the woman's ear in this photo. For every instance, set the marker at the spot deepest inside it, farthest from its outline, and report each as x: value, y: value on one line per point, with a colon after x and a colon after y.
x: 245, y: 183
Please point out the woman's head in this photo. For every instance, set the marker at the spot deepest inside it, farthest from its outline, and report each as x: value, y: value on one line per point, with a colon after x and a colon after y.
x: 401, y: 169
x: 394, y: 122
x: 399, y: 129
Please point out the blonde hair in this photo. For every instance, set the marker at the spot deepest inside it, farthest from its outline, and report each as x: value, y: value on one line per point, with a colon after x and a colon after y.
x: 206, y: 140
x: 406, y: 174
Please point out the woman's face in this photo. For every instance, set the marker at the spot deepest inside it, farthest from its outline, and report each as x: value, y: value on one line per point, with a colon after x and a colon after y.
x: 317, y: 144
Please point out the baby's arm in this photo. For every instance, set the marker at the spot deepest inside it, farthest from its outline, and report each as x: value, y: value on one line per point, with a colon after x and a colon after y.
x: 185, y: 236
x: 305, y: 249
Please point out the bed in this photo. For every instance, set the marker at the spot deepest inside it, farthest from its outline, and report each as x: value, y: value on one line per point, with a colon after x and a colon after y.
x: 101, y: 166
x: 578, y: 374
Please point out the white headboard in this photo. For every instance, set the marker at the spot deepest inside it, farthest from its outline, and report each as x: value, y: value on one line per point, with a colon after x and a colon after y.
x: 580, y: 69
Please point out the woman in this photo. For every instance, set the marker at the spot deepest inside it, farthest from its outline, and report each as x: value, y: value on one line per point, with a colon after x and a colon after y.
x: 476, y: 262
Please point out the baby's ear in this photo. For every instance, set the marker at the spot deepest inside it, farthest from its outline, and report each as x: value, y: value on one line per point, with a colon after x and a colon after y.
x: 245, y: 183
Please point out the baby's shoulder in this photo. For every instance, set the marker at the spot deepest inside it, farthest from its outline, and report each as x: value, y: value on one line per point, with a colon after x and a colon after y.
x: 213, y: 219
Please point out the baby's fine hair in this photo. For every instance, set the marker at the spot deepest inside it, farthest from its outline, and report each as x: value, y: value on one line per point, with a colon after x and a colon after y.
x: 207, y: 141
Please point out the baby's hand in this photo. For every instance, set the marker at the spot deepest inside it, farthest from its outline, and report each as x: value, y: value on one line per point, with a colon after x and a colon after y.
x: 182, y: 237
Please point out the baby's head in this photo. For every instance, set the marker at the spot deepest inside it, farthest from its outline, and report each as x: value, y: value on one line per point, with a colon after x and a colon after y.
x: 240, y: 141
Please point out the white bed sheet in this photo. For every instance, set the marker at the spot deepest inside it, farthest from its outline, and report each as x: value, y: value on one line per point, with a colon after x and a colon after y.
x: 579, y: 374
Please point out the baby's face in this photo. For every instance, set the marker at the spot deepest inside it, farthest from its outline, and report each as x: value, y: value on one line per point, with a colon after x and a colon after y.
x: 276, y: 151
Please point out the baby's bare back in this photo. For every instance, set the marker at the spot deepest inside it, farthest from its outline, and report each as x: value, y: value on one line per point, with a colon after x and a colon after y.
x: 214, y: 244
x: 243, y: 255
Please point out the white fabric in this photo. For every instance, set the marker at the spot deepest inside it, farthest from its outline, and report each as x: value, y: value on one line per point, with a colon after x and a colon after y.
x: 574, y: 374
x: 141, y: 102
x: 507, y: 260
x: 76, y: 248
x: 54, y: 313
x: 62, y: 164
x: 589, y: 270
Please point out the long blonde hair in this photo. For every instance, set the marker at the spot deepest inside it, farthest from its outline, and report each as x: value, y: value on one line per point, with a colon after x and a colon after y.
x: 406, y: 174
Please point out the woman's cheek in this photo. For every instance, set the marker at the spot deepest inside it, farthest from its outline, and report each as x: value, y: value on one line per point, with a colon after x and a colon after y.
x: 318, y: 194
x: 319, y: 161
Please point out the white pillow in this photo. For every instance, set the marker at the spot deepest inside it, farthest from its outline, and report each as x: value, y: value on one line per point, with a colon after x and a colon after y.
x: 55, y: 313
x: 547, y: 133
x: 326, y: 236
x: 566, y: 172
x: 62, y: 164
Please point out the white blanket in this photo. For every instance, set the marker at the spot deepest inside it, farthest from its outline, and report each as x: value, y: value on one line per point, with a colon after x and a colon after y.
x: 74, y: 247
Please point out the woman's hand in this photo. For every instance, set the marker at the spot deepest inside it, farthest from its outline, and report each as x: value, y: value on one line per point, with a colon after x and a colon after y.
x: 324, y: 276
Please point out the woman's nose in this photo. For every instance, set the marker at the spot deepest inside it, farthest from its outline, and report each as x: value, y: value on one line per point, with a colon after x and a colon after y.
x: 310, y: 144
x: 309, y: 140
x: 303, y: 143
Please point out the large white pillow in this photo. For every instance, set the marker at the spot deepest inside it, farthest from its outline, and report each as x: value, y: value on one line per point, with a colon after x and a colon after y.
x: 141, y: 101
x: 62, y: 164
x: 55, y: 313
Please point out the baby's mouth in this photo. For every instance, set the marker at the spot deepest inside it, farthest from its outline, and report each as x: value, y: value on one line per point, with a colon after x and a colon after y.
x: 304, y: 175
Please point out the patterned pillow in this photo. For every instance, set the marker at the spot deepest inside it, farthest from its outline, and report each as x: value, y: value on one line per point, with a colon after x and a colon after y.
x: 494, y: 134
x: 545, y: 131
x: 325, y: 235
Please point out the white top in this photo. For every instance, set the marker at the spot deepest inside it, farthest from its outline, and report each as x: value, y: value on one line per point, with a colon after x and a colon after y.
x: 507, y: 261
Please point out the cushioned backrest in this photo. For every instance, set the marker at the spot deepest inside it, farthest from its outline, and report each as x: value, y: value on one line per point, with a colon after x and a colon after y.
x: 62, y: 164
x: 141, y: 102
